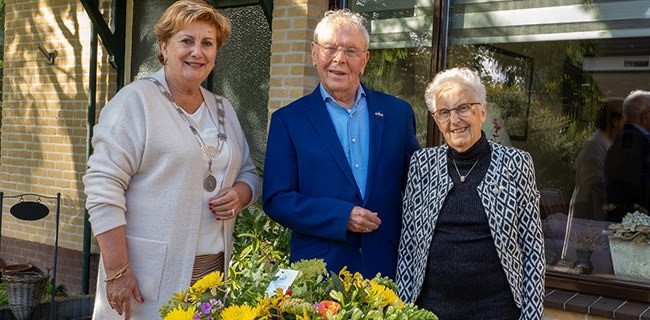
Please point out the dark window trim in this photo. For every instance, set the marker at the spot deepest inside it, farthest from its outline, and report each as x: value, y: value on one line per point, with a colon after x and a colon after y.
x: 600, y: 286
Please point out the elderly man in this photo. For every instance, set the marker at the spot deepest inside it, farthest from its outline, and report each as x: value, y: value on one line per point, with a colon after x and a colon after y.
x: 337, y: 159
x: 627, y: 166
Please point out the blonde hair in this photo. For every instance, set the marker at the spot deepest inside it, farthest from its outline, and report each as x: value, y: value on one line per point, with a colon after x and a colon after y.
x: 451, y: 77
x: 184, y: 12
x: 342, y: 18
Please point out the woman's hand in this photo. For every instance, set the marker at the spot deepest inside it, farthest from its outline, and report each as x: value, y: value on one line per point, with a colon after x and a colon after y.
x: 122, y: 291
x: 229, y: 201
x: 121, y: 284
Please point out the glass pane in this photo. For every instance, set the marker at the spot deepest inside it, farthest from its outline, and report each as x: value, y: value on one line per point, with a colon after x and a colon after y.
x: 400, y: 51
x: 144, y: 49
x: 242, y: 73
x: 548, y: 69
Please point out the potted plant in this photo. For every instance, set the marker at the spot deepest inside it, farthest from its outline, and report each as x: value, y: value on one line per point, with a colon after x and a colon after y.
x: 585, y: 243
x: 629, y: 243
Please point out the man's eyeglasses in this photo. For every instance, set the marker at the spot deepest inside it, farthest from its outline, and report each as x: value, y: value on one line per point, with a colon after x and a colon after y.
x: 330, y: 51
x: 463, y: 110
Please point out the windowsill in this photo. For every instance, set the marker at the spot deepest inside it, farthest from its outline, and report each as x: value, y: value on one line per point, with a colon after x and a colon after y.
x: 596, y: 305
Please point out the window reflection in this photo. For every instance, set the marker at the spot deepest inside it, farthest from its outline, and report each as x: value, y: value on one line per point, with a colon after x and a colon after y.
x: 559, y: 114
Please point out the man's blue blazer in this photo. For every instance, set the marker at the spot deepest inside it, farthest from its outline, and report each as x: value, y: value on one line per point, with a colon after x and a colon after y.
x: 309, y: 187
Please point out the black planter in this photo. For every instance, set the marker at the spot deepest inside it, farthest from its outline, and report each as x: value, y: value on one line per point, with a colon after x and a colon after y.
x: 584, y: 265
x: 73, y: 308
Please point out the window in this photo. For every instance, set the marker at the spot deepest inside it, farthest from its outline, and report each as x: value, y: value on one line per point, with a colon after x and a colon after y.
x: 548, y: 69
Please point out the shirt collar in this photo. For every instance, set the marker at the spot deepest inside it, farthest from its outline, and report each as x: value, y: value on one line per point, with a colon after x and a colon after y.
x: 327, y: 97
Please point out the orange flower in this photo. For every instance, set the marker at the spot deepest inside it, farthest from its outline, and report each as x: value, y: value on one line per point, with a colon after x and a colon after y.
x: 326, y: 305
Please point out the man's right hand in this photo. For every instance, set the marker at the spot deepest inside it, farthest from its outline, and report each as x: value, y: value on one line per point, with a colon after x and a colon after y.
x: 363, y: 220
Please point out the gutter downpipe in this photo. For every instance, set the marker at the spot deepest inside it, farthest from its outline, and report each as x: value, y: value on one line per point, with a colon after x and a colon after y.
x: 90, y: 123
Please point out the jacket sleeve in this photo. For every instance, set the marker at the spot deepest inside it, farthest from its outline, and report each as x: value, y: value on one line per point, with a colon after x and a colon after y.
x: 532, y: 244
x: 323, y: 217
x: 411, y: 142
x: 408, y: 257
x: 118, y: 146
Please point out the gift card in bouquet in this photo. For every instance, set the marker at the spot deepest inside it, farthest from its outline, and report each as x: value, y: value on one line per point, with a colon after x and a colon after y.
x: 283, y: 279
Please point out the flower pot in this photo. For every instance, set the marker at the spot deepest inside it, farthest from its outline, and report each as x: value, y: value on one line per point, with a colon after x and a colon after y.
x: 24, y: 291
x: 584, y: 265
x: 631, y: 260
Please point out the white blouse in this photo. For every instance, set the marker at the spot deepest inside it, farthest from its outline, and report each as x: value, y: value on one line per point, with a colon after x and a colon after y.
x: 211, y: 231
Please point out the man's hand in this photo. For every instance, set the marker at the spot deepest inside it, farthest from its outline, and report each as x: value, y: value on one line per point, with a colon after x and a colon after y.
x: 363, y: 220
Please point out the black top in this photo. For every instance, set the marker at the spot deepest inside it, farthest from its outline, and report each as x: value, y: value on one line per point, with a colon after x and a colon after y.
x: 464, y: 277
x: 627, y: 172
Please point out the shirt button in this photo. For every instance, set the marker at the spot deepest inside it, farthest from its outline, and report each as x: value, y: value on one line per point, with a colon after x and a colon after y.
x: 356, y: 165
x: 354, y: 140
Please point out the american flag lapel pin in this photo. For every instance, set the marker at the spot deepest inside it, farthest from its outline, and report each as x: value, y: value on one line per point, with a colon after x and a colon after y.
x: 379, y: 114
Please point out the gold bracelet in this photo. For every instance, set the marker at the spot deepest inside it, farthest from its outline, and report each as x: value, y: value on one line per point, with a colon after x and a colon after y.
x: 118, y: 274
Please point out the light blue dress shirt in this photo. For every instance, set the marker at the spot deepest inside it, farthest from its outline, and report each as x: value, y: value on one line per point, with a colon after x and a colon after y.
x: 353, y: 132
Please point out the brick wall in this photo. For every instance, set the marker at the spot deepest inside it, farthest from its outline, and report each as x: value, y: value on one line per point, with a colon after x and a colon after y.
x: 43, y: 141
x: 292, y: 72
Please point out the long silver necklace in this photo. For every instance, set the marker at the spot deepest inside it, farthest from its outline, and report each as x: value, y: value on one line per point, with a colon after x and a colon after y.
x: 211, y: 152
x: 462, y: 177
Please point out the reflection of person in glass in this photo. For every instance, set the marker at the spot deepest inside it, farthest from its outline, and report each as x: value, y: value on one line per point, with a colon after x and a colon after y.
x: 170, y: 172
x: 627, y: 165
x: 472, y: 244
x: 590, y: 195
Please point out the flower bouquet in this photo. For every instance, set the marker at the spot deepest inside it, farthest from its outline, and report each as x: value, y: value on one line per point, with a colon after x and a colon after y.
x: 313, y: 294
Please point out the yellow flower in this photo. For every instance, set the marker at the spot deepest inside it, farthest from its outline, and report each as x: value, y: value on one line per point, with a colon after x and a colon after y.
x: 179, y: 314
x: 210, y: 281
x: 386, y: 295
x: 243, y: 312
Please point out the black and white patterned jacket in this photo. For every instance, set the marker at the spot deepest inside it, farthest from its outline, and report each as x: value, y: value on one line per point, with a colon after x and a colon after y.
x: 511, y: 201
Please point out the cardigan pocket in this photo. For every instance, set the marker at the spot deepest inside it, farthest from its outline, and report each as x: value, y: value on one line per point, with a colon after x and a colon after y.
x: 147, y: 260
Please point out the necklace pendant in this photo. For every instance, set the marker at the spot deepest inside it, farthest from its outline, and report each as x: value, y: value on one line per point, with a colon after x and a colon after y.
x: 210, y: 183
x: 462, y: 179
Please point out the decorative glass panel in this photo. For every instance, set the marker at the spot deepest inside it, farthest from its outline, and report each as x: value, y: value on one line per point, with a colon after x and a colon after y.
x: 242, y: 73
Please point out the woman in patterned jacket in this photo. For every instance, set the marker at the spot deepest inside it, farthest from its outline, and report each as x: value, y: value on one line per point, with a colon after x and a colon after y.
x: 471, y: 245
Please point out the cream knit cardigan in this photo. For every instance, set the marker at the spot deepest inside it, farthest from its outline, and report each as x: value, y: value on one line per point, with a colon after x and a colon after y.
x: 147, y: 173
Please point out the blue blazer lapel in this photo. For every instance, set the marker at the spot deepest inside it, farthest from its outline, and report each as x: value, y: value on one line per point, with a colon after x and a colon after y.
x: 320, y: 119
x: 376, y: 125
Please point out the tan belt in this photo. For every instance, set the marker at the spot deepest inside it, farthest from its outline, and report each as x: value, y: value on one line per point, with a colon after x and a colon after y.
x: 205, y: 264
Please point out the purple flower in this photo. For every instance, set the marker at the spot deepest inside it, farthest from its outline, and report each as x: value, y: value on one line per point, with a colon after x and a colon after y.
x: 206, y: 307
x: 197, y: 316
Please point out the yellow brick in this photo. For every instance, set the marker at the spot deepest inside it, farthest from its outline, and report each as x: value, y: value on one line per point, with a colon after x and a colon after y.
x: 281, y: 24
x: 300, y: 58
x: 297, y: 11
x: 280, y: 47
x: 280, y: 70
